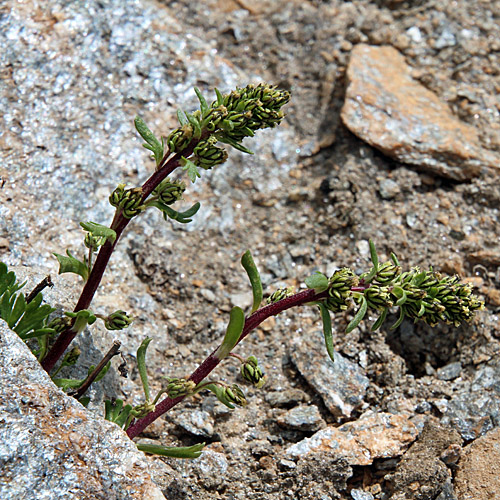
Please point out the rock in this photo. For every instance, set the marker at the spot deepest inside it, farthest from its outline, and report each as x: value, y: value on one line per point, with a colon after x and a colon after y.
x: 475, y: 409
x: 302, y: 418
x: 450, y: 371
x: 374, y: 435
x: 341, y: 384
x: 478, y: 474
x: 421, y: 473
x: 397, y: 115
x: 52, y: 447
x: 210, y: 469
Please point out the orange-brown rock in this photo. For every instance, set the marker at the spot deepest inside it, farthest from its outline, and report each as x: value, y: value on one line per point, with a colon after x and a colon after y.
x: 385, y: 107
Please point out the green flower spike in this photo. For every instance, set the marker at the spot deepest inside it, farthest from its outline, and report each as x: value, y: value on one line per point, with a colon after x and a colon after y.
x: 129, y: 200
x: 207, y: 154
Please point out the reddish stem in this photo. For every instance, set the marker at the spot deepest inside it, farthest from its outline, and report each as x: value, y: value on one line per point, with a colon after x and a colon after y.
x: 118, y: 225
x: 212, y: 361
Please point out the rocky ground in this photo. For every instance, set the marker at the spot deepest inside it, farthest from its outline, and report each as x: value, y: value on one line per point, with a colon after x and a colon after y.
x: 392, y: 135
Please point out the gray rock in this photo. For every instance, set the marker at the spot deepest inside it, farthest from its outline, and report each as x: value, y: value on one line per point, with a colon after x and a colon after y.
x: 341, y: 384
x: 52, y: 447
x: 302, y: 418
x: 450, y: 371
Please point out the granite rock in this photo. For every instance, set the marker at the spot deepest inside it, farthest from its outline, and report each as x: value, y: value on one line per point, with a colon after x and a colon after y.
x: 341, y: 384
x: 374, y: 435
x: 52, y: 447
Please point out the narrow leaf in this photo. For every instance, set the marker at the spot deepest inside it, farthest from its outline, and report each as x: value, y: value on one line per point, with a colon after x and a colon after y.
x: 373, y: 254
x: 253, y: 275
x: 17, y: 311
x: 317, y: 281
x: 380, y: 320
x: 203, y: 103
x: 99, y: 230
x: 220, y: 98
x: 182, y: 217
x: 181, y: 116
x: 359, y: 315
x: 233, y: 332
x: 195, y: 123
x: 141, y: 365
x: 400, y: 319
x: 236, y: 145
x: 172, y: 451
x: 327, y: 330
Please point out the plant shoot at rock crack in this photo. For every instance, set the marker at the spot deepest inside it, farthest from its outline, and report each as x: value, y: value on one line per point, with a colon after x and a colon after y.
x: 197, y: 145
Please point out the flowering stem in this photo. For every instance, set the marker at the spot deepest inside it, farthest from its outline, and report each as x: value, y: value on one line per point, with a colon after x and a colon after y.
x: 212, y: 360
x: 118, y: 225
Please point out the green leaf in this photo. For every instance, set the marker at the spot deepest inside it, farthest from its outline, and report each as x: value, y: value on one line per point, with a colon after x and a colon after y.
x: 373, y: 255
x: 195, y: 123
x: 8, y: 280
x: 182, y: 217
x: 67, y: 383
x: 380, y: 320
x: 359, y: 315
x: 203, y: 103
x: 236, y: 145
x: 181, y: 116
x: 318, y: 281
x: 253, y: 275
x: 400, y: 319
x: 33, y: 320
x: 220, y: 98
x: 141, y: 365
x: 191, y: 169
x: 70, y: 264
x: 152, y: 143
x: 220, y: 393
x: 327, y: 330
x: 99, y: 230
x: 82, y: 319
x: 101, y: 373
x: 394, y: 259
x: 17, y: 311
x: 172, y: 451
x: 233, y: 332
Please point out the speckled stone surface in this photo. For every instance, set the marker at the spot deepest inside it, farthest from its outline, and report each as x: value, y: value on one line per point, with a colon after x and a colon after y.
x: 51, y: 447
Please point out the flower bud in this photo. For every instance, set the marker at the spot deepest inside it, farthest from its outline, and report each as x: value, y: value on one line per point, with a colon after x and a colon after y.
x: 180, y: 138
x: 339, y: 289
x: 71, y: 357
x: 177, y: 387
x: 169, y: 192
x: 60, y: 324
x: 280, y: 294
x: 251, y: 372
x: 117, y: 321
x: 235, y: 395
x: 387, y: 273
